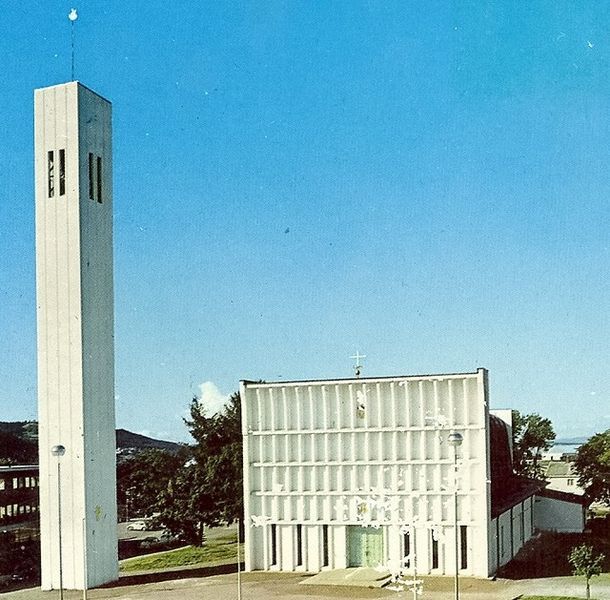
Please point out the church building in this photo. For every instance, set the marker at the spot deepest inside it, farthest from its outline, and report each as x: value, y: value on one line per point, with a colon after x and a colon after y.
x: 367, y: 472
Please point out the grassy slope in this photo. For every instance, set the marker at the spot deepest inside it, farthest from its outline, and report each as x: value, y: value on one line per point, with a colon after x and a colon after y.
x: 221, y: 549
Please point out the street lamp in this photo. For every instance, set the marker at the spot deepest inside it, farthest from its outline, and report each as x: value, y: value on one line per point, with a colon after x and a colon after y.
x: 455, y: 441
x: 59, y: 451
x: 238, y: 561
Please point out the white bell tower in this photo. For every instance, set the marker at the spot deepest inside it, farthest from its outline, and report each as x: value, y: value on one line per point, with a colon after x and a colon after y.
x: 75, y: 315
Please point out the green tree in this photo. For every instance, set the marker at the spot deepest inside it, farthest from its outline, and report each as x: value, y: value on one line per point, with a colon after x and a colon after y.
x: 593, y: 467
x: 15, y: 450
x: 187, y: 506
x: 586, y: 563
x: 207, y: 489
x: 142, y: 479
x: 531, y: 435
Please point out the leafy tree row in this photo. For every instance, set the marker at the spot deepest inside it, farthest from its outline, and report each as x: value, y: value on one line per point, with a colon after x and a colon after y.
x: 593, y: 467
x: 15, y: 450
x: 532, y: 434
x: 199, y: 487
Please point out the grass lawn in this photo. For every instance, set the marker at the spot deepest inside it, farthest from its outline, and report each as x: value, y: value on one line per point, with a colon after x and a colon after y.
x: 217, y: 550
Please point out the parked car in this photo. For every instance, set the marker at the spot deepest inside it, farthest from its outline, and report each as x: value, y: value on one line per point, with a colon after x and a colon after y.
x: 167, y: 536
x: 137, y: 526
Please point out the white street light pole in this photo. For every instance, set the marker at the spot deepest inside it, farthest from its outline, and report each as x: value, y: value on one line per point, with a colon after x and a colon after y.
x: 455, y: 441
x: 85, y: 576
x: 59, y: 451
x: 238, y: 561
x: 414, y: 562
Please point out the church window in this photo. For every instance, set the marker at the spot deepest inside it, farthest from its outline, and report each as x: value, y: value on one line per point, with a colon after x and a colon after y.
x: 62, y: 172
x: 91, y: 176
x: 522, y: 524
x: 325, y: 556
x: 502, y: 539
x: 99, y: 179
x: 299, y: 545
x: 274, y: 544
x: 434, y: 550
x: 51, y: 172
x: 463, y: 547
x: 406, y: 548
x: 95, y: 177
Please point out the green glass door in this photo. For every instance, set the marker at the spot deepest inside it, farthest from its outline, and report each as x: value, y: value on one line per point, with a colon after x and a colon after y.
x: 365, y: 545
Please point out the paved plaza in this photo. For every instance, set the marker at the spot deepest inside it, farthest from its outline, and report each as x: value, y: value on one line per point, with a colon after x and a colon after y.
x: 198, y: 583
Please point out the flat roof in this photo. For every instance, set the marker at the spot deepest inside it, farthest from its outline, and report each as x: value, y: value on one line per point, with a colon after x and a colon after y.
x: 78, y: 85
x: 252, y: 382
x: 17, y: 468
x: 563, y: 496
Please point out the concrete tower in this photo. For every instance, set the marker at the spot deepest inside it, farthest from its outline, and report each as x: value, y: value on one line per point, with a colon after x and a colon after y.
x: 73, y: 163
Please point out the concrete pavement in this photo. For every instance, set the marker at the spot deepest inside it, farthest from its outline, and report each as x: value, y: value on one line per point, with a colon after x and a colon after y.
x: 189, y: 584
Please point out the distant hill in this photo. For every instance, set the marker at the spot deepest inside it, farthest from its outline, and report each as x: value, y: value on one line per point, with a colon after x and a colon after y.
x: 15, y: 450
x: 128, y: 442
x: 576, y: 441
x: 26, y: 430
x: 18, y: 442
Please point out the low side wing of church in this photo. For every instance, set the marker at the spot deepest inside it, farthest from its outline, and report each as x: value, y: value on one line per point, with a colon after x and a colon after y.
x: 360, y: 472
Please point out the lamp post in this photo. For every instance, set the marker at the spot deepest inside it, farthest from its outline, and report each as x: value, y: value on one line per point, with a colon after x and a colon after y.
x: 59, y: 451
x: 238, y: 561
x: 455, y: 441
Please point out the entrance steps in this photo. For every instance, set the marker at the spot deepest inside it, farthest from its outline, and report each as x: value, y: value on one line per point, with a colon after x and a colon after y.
x: 354, y: 576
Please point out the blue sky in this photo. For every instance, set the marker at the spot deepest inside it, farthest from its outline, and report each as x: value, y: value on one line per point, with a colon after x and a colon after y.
x: 294, y: 181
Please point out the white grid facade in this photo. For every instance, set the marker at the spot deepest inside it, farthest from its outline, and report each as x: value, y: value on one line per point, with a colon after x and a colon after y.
x: 348, y: 472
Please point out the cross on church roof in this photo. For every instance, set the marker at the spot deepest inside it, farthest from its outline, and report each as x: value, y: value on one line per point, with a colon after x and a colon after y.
x: 358, y: 367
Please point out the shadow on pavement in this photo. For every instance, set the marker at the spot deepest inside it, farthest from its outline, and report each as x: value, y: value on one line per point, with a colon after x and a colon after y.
x: 546, y: 555
x: 171, y: 574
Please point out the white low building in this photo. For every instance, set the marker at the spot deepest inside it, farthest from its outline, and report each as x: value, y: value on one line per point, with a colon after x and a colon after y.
x: 562, y: 476
x: 555, y: 510
x: 359, y: 472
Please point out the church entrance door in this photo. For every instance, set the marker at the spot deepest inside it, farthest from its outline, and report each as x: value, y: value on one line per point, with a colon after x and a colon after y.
x: 365, y: 546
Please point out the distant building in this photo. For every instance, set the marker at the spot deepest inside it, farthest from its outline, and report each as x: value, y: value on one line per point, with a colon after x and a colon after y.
x: 561, y: 505
x: 560, y: 452
x: 19, y: 498
x: 358, y: 472
x: 561, y: 476
x: 555, y: 510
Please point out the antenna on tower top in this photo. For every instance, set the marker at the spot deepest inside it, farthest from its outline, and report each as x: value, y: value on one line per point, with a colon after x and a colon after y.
x: 72, y: 15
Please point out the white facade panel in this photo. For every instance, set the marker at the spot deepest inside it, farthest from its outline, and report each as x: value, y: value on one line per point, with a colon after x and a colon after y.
x: 339, y: 543
x: 367, y: 452
x: 75, y: 335
x: 509, y: 532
